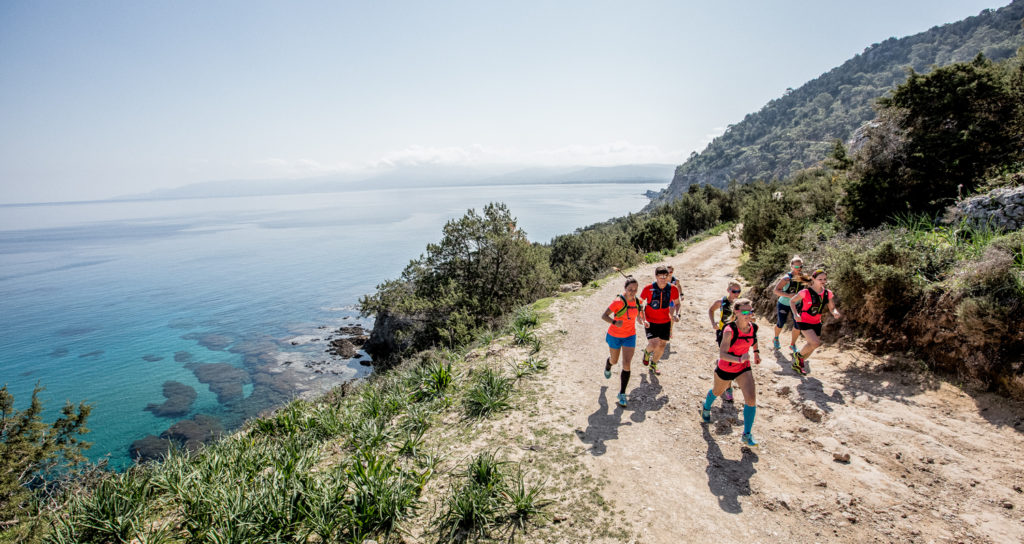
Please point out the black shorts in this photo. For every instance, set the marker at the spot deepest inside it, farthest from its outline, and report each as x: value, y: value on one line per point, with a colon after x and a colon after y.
x: 658, y: 330
x: 816, y: 327
x: 729, y: 376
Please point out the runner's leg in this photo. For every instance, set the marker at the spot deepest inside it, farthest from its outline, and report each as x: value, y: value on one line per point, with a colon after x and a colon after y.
x: 746, y: 383
x: 627, y: 357
x: 812, y: 342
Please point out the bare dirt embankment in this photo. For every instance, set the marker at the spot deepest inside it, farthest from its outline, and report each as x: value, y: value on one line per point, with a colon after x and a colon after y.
x: 927, y: 461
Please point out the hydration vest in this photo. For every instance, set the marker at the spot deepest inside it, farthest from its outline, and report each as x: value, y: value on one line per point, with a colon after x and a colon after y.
x: 624, y: 311
x: 661, y: 299
x: 817, y: 303
x: 726, y: 315
x: 747, y: 340
x: 792, y: 287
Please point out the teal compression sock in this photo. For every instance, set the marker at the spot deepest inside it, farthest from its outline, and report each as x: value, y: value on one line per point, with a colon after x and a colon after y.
x: 710, y: 400
x: 748, y: 418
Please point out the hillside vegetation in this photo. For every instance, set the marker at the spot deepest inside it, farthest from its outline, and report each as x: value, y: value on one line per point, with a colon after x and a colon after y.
x: 796, y: 131
x: 459, y: 333
x: 938, y: 137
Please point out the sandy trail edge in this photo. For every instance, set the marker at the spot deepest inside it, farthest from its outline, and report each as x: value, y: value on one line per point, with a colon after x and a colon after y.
x: 928, y: 463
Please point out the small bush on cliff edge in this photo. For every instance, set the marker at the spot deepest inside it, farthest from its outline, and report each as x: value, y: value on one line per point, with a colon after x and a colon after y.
x: 483, y: 266
x: 29, y: 449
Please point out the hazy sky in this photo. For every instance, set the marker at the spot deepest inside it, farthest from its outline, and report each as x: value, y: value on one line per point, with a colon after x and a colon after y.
x: 99, y: 99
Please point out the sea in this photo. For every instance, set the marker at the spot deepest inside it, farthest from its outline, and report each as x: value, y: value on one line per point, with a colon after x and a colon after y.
x: 181, y: 318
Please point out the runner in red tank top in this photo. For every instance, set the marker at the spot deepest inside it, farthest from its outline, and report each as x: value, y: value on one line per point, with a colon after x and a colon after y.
x: 739, y: 338
x: 808, y: 306
x: 659, y: 299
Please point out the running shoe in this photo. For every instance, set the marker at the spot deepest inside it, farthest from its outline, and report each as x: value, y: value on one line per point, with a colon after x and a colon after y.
x: 705, y: 415
x: 776, y: 343
x: 748, y: 440
x: 608, y: 368
x: 622, y: 400
x: 727, y: 396
x: 800, y: 364
x: 654, y: 368
x: 647, y: 357
x: 792, y: 347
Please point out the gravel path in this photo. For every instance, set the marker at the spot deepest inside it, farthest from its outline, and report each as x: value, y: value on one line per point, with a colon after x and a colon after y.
x: 927, y: 462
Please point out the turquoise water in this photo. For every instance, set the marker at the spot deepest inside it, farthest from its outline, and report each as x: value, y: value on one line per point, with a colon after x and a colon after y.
x: 105, y: 302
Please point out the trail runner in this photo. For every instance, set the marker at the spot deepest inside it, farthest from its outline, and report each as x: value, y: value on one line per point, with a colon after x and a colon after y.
x: 621, y: 336
x: 738, y: 337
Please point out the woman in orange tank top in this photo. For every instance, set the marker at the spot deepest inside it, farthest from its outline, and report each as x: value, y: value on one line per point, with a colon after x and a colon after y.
x: 621, y: 336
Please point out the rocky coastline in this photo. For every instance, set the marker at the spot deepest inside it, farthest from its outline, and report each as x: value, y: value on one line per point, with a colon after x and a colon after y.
x: 273, y: 372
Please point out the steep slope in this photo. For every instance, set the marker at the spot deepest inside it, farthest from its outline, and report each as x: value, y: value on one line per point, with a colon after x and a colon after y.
x: 796, y: 130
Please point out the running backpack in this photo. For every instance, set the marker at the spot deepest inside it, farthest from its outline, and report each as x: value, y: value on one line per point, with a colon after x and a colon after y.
x: 817, y: 303
x: 736, y: 335
x: 660, y: 298
x: 625, y: 308
x: 792, y: 287
x: 726, y: 316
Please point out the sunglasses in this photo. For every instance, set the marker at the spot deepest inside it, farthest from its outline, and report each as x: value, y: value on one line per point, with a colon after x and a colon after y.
x: 798, y: 266
x: 734, y: 290
x: 746, y: 312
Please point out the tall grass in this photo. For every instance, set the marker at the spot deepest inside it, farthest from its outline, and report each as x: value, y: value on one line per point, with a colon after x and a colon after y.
x: 490, y: 499
x: 116, y: 510
x: 965, y: 239
x: 489, y: 393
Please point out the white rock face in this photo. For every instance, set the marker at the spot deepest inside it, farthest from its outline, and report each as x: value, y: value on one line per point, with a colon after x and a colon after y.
x: 1002, y: 209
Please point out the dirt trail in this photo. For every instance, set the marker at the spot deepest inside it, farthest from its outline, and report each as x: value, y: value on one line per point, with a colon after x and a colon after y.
x: 928, y: 463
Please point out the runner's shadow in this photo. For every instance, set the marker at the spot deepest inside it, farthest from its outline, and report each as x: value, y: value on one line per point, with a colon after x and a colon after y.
x: 811, y: 389
x: 602, y: 425
x: 785, y: 362
x: 645, y: 397
x: 727, y: 478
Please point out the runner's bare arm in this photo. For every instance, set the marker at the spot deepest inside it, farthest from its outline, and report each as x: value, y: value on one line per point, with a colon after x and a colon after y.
x: 778, y: 287
x: 832, y: 308
x: 607, y: 317
x: 711, y: 313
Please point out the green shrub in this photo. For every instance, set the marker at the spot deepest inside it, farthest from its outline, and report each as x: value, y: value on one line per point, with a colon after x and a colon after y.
x: 939, y: 135
x: 766, y: 218
x: 692, y: 212
x: 525, y: 336
x: 483, y: 265
x: 30, y: 450
x: 589, y: 253
x: 654, y: 233
x: 526, y: 316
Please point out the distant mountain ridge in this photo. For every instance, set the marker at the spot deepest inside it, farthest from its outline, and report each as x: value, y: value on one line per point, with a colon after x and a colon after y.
x: 796, y: 130
x: 420, y: 176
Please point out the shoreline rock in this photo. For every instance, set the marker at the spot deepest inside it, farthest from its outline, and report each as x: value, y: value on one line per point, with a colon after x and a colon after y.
x: 190, y: 434
x: 224, y: 380
x: 179, y: 400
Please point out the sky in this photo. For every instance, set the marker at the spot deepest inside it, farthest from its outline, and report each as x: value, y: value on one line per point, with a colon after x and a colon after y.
x: 106, y: 98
